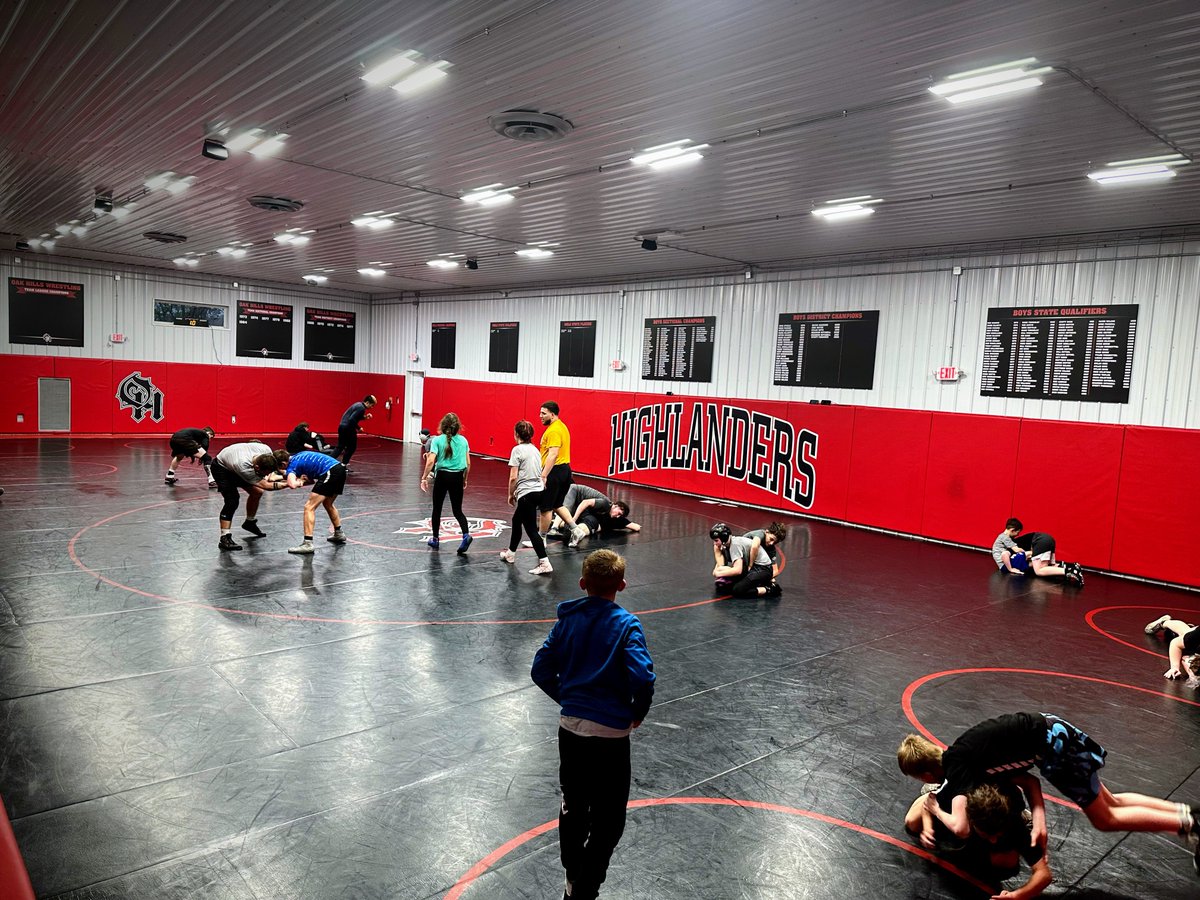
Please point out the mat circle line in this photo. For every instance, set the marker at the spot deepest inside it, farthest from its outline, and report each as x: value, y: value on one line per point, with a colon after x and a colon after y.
x: 479, y: 868
x: 328, y: 620
x: 1090, y: 618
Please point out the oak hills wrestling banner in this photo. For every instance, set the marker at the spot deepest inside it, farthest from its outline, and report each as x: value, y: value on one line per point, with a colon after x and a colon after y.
x: 717, y: 439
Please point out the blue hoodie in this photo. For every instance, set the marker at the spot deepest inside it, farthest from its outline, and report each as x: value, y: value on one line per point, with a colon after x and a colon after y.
x: 595, y: 663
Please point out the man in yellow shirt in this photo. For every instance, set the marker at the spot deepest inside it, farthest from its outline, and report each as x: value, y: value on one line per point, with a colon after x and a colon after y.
x: 556, y: 466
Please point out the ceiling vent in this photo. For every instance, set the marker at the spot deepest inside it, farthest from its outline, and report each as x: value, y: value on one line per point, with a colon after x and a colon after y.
x: 165, y: 237
x: 275, y: 204
x: 530, y: 125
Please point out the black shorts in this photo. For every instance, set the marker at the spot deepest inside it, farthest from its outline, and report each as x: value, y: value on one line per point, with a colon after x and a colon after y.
x: 185, y: 448
x: 332, y: 483
x: 557, y: 484
x: 1191, y: 641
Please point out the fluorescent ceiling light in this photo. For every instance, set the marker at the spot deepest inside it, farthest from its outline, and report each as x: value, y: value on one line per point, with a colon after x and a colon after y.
x: 665, y: 156
x: 79, y: 230
x: 847, y: 208
x: 535, y: 253
x: 40, y: 244
x: 235, y: 252
x: 316, y: 279
x: 442, y: 263
x: 1131, y: 174
x: 63, y: 229
x: 169, y: 181
x: 120, y: 212
x: 992, y: 81
x: 296, y: 240
x: 372, y: 221
x: 269, y: 147
x: 422, y: 78
x: 491, y: 195
x: 245, y: 140
x: 158, y: 181
x: 388, y: 71
x: 179, y: 185
x: 1170, y: 159
x: 257, y: 142
x: 374, y: 273
x: 186, y: 261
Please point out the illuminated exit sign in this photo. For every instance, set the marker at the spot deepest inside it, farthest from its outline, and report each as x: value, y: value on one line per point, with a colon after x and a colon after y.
x: 948, y: 373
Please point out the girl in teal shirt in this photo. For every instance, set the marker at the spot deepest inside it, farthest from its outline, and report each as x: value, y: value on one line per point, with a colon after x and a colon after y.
x: 449, y: 456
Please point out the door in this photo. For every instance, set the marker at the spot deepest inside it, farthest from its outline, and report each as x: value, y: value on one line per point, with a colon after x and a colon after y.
x: 414, y: 391
x: 54, y: 404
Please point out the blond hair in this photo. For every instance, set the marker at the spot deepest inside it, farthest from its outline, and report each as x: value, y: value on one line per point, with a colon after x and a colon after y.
x: 603, y: 572
x: 919, y: 756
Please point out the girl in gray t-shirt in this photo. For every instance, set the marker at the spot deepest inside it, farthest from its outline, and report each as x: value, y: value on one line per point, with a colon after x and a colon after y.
x: 524, y: 493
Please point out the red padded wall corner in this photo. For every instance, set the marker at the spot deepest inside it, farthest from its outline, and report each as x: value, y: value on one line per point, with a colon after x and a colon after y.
x: 971, y: 476
x: 1066, y: 484
x: 1158, y: 493
x: 887, y: 468
x: 240, y: 394
x: 19, y: 375
x: 92, y: 395
x: 14, y: 879
x: 191, y: 398
x: 834, y: 428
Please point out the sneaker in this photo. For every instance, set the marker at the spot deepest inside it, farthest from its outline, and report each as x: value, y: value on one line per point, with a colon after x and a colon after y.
x: 170, y: 479
x: 542, y: 568
x: 252, y: 527
x: 433, y: 543
x: 1077, y: 574
x: 773, y: 590
x: 466, y: 543
x: 1156, y: 625
x: 228, y: 543
x: 508, y: 556
x: 336, y: 538
x: 578, y: 533
x: 304, y: 549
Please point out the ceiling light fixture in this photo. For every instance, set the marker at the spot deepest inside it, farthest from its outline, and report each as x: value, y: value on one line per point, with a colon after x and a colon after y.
x: 535, y: 253
x: 235, y: 252
x: 990, y: 81
x: 186, y: 261
x: 847, y: 208
x: 407, y: 72
x: 257, y: 142
x: 666, y: 156
x: 490, y: 195
x: 442, y: 263
x: 372, y: 220
x: 40, y: 244
x: 170, y: 182
x: 296, y: 240
x: 374, y: 273
x: 1131, y: 171
x: 315, y: 279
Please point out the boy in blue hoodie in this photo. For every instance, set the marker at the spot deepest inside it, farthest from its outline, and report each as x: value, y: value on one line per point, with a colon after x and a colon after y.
x: 596, y: 665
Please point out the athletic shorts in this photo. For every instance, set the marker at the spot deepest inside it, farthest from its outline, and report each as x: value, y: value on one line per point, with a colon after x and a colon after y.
x: 1191, y: 641
x: 558, y: 482
x: 1043, y: 547
x: 185, y: 447
x: 1072, y: 761
x: 332, y: 483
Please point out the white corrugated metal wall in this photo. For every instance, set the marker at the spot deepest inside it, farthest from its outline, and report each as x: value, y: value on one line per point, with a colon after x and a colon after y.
x: 919, y: 328
x: 127, y: 306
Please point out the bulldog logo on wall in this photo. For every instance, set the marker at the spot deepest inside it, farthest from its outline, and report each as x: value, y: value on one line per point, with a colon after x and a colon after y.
x: 138, y: 394
x: 449, y: 530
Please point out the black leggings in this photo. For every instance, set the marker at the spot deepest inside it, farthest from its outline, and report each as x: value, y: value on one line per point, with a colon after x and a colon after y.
x: 748, y: 585
x: 228, y: 484
x: 448, y: 483
x: 594, y: 773
x: 525, y: 516
x: 347, y: 443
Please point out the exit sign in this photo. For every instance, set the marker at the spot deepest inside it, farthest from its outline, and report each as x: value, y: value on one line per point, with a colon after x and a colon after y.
x: 947, y: 373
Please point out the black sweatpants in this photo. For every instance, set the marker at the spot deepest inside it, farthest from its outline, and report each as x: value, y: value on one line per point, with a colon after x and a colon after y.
x: 228, y: 483
x: 525, y: 516
x: 347, y: 443
x: 448, y: 483
x: 594, y: 774
x: 748, y: 584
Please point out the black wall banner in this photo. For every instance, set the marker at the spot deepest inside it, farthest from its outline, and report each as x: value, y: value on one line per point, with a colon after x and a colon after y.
x: 577, y: 348
x: 45, y: 312
x: 264, y: 329
x: 1059, y: 352
x: 678, y: 349
x: 441, y: 345
x: 502, y: 348
x: 827, y: 349
x: 328, y: 335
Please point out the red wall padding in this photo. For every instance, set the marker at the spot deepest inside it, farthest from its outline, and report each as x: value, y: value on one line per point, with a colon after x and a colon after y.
x: 14, y: 880
x: 1113, y: 496
x: 1158, y: 496
x: 264, y: 400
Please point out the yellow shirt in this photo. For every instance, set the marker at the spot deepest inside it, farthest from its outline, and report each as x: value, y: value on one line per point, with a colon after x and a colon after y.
x: 556, y: 435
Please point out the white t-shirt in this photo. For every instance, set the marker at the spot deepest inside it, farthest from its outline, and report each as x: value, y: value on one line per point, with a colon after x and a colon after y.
x: 528, y: 461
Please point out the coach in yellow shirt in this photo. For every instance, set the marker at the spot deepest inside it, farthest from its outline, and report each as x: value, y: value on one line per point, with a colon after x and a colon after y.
x: 556, y: 465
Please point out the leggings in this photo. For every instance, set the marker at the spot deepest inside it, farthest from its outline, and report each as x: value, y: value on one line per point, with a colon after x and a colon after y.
x: 594, y: 773
x: 228, y: 483
x: 448, y: 483
x: 525, y: 516
x: 748, y: 584
x: 347, y: 443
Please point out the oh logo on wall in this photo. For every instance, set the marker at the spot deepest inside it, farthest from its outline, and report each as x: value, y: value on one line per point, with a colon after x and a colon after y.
x: 138, y: 394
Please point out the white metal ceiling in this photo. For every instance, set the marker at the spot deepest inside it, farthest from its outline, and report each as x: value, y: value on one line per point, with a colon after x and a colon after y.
x: 802, y: 102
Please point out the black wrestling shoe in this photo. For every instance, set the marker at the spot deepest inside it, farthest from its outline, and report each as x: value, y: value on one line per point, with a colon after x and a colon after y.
x: 252, y: 527
x: 228, y: 543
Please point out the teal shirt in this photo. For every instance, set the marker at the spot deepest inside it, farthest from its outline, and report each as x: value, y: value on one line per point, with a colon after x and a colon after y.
x: 459, y: 450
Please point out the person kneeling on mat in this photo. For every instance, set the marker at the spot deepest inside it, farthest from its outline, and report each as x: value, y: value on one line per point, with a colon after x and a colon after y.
x: 741, y: 574
x: 1185, y: 644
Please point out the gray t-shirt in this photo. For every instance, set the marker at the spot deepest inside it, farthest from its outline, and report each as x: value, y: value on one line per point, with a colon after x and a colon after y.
x: 761, y: 534
x: 239, y: 459
x: 1003, y: 542
x: 577, y: 493
x: 528, y: 461
x: 739, y: 548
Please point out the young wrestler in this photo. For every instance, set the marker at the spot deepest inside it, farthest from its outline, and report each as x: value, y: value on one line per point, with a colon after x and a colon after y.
x: 191, y: 443
x: 524, y: 494
x: 328, y: 478
x: 743, y: 575
x: 350, y: 426
x: 251, y: 467
x: 769, y: 539
x: 592, y: 512
x: 1185, y: 641
x: 1039, y: 547
x: 596, y: 665
x: 303, y: 438
x: 1005, y: 547
x: 449, y: 462
x: 1007, y: 746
